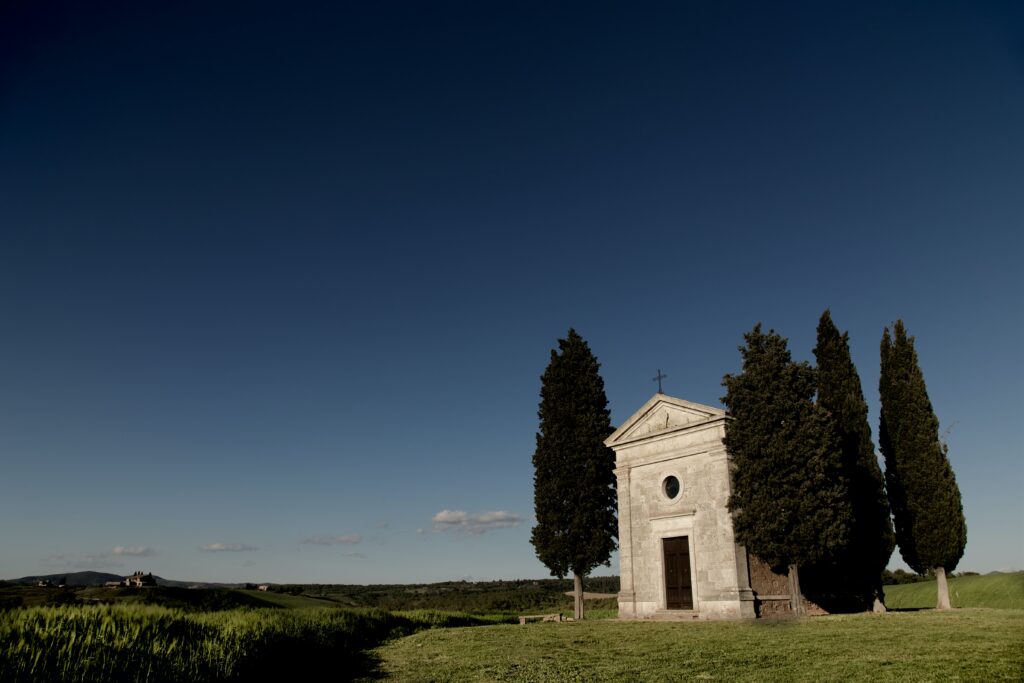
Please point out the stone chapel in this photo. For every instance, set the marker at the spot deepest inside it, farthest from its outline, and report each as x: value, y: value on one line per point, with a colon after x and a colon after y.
x: 677, y: 553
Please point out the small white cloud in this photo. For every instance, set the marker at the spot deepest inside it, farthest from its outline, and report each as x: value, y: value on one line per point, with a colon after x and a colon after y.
x: 347, y: 539
x: 420, y: 531
x: 226, y: 547
x: 479, y: 523
x: 133, y: 551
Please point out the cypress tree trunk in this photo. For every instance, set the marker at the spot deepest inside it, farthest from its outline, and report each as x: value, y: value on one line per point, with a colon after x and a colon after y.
x: 796, y: 598
x: 577, y: 586
x: 878, y: 607
x: 940, y: 575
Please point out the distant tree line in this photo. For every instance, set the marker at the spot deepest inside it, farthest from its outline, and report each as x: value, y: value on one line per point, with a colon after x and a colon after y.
x: 895, y: 577
x: 519, y: 596
x: 484, y: 597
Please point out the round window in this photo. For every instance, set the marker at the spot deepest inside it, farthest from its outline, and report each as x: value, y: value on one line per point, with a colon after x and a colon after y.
x: 670, y: 486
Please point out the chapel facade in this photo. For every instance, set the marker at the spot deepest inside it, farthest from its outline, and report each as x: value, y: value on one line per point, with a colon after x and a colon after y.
x: 678, y: 555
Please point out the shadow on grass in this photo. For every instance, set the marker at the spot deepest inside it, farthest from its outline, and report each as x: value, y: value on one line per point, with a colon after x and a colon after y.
x: 302, y: 664
x: 366, y: 668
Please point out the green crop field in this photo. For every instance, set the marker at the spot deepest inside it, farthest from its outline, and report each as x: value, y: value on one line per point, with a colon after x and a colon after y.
x: 998, y: 591
x: 961, y: 645
x: 152, y: 643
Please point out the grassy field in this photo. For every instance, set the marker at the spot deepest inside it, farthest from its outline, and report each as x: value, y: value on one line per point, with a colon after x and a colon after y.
x: 963, y: 645
x: 998, y: 591
x: 179, y: 634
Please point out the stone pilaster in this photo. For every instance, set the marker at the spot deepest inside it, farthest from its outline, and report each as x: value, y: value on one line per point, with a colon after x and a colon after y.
x: 627, y: 597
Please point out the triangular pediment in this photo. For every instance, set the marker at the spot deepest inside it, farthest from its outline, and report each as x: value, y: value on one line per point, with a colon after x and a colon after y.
x: 662, y: 413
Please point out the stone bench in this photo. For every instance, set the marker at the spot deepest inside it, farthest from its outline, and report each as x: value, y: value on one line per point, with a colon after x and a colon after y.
x: 539, y: 617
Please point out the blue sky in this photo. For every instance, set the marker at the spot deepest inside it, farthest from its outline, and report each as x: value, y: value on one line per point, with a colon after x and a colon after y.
x: 278, y: 282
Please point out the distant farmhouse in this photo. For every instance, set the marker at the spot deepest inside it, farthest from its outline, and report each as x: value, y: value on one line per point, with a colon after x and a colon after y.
x: 47, y: 583
x: 138, y: 580
x: 677, y: 552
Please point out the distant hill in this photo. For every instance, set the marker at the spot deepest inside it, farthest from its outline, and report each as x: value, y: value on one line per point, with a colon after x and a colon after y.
x: 72, y: 578
x: 100, y: 578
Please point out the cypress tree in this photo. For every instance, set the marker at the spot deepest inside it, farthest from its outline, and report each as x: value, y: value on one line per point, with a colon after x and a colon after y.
x: 859, y: 566
x: 574, y: 479
x: 930, y: 526
x: 788, y: 500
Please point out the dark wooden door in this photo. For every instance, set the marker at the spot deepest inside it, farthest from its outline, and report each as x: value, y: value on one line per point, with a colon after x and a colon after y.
x: 678, y: 588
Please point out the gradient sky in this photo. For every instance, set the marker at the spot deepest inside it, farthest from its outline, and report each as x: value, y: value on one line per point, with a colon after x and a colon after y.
x: 278, y: 280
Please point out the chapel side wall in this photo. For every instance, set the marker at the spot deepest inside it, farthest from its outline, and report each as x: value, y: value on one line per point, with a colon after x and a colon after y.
x: 723, y: 573
x: 771, y: 591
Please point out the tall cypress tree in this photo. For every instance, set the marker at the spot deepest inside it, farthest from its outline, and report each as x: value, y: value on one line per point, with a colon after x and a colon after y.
x: 858, y: 567
x: 574, y: 480
x: 930, y: 526
x: 788, y: 500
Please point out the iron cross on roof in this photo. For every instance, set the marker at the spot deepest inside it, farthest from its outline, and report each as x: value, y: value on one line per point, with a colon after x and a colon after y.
x: 658, y: 379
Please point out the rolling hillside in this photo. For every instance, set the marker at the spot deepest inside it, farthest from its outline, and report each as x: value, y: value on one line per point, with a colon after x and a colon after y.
x: 996, y: 590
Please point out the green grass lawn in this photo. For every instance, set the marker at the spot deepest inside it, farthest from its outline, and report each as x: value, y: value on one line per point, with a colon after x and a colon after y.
x: 998, y: 591
x: 961, y: 645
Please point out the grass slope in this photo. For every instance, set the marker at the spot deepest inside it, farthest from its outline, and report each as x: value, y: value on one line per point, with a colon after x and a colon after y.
x: 965, y: 645
x: 997, y: 591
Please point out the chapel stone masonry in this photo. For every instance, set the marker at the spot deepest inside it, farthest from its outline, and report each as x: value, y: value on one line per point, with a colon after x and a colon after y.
x: 678, y: 555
